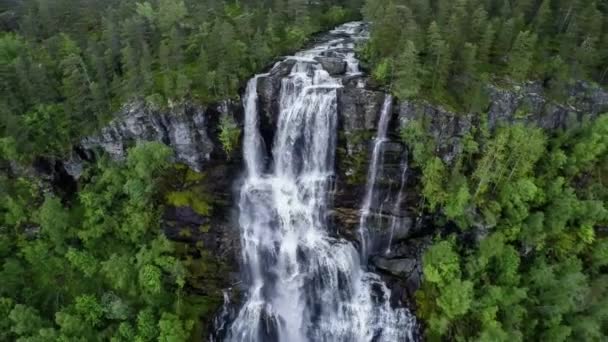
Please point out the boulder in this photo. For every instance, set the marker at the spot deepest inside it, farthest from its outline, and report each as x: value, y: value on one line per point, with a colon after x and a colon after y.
x: 333, y: 65
x: 402, y: 268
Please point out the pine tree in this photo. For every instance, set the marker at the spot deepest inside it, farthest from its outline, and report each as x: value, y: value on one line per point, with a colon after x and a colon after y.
x: 408, y: 80
x: 131, y: 69
x: 170, y: 13
x: 479, y: 24
x: 76, y: 89
x: 146, y: 69
x: 504, y: 39
x: 439, y: 63
x: 486, y: 44
x: 521, y: 56
x: 112, y: 43
x: 544, y: 21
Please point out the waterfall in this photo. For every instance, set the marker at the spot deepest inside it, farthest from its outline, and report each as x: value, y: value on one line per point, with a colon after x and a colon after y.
x: 395, y: 220
x: 252, y: 142
x: 375, y: 169
x: 304, y: 284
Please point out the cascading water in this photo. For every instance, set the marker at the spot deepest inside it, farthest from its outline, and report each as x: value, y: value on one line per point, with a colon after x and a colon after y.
x: 373, y: 173
x: 304, y: 285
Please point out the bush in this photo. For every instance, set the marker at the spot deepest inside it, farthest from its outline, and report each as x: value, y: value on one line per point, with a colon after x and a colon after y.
x: 230, y: 134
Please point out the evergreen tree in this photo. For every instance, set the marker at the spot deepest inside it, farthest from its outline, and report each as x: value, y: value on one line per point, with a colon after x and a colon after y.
x: 408, y: 79
x: 521, y: 56
x: 439, y: 63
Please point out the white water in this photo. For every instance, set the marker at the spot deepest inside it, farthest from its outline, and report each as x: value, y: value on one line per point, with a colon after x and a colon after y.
x: 375, y: 169
x: 304, y: 285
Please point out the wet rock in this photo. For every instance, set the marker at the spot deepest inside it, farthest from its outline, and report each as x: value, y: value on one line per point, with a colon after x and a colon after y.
x: 282, y: 68
x: 9, y: 20
x: 359, y: 108
x: 269, y: 89
x: 346, y: 222
x: 333, y: 65
x: 402, y: 268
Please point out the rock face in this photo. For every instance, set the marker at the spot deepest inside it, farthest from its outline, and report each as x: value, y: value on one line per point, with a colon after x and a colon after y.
x: 528, y: 103
x: 190, y: 130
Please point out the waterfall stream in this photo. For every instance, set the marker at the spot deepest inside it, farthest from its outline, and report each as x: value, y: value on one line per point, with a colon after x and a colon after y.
x: 373, y: 173
x: 304, y: 284
x: 396, y: 220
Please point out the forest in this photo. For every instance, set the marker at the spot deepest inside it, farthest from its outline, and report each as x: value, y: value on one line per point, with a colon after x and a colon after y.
x: 524, y: 255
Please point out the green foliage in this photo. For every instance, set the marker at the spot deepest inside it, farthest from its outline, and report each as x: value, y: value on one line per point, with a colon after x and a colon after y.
x: 532, y: 270
x: 460, y: 43
x: 408, y: 76
x: 432, y: 188
x: 230, y: 134
x: 189, y: 199
x: 98, y: 266
x: 188, y: 190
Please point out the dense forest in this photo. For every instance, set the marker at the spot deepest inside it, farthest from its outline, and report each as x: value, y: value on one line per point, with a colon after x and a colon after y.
x: 529, y: 257
x: 525, y: 254
x: 69, y: 64
x: 446, y: 51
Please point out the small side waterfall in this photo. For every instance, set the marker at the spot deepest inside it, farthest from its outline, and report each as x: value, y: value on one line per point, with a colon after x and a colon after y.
x: 304, y: 284
x: 375, y: 169
x: 395, y: 220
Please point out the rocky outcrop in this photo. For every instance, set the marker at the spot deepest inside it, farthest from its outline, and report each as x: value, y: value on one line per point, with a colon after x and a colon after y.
x: 190, y: 130
x: 530, y: 104
x: 527, y: 104
x: 446, y: 128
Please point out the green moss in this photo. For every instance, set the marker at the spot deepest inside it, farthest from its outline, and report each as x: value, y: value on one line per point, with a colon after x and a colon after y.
x: 204, y: 228
x: 191, y: 199
x: 356, y: 162
x: 186, y: 188
x: 185, y: 233
x: 193, y: 176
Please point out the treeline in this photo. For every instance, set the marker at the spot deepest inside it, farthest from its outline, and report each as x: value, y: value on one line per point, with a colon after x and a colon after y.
x: 526, y: 258
x: 72, y: 63
x: 446, y: 50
